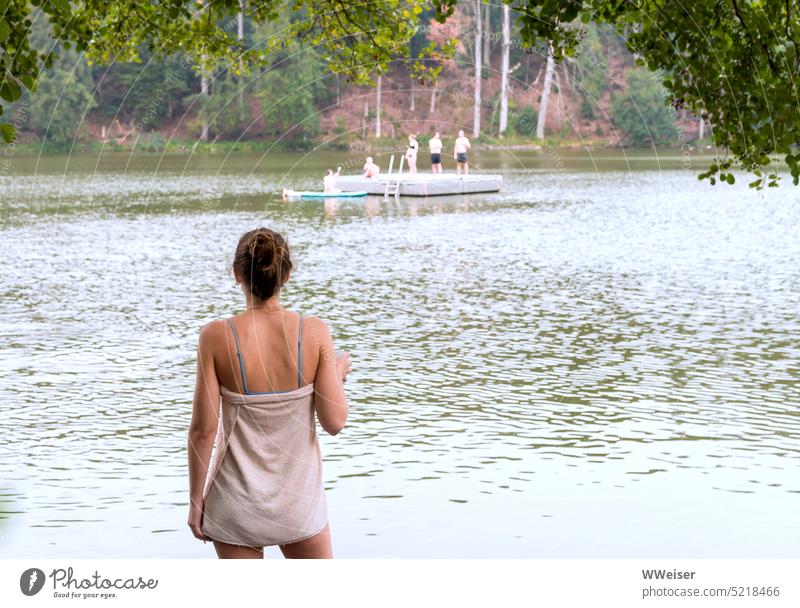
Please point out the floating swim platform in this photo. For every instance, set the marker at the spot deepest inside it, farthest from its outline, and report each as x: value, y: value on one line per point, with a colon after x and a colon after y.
x: 314, y: 194
x: 423, y: 184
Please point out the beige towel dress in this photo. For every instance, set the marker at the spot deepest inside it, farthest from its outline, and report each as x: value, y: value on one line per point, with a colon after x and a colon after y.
x: 265, y: 485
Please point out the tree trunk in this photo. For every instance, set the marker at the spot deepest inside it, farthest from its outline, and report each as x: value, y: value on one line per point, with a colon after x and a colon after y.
x: 240, y: 36
x: 412, y: 106
x: 240, y: 22
x: 504, y: 69
x: 378, y: 108
x: 702, y: 130
x: 476, y: 120
x: 487, y: 32
x: 203, y: 109
x: 433, y: 102
x: 204, y: 92
x: 548, y: 83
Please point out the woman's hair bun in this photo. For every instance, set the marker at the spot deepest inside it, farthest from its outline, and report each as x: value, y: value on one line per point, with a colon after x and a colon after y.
x: 262, y: 261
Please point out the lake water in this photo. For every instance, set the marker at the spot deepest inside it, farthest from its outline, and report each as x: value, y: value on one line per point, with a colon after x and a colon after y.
x: 599, y: 361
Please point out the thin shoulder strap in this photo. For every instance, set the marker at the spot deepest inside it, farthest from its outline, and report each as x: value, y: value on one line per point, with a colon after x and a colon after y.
x: 239, y: 354
x: 300, y: 353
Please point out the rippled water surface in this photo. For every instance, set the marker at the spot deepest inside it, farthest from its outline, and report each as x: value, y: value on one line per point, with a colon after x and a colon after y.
x: 599, y: 361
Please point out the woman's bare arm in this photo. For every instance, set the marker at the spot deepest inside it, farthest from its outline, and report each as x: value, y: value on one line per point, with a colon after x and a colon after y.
x: 330, y: 401
x: 203, y: 428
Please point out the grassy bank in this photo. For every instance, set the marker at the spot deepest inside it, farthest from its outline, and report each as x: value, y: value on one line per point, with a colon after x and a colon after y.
x: 157, y: 144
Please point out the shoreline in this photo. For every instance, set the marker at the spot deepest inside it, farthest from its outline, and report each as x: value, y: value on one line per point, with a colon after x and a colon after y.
x: 153, y: 143
x: 374, y: 147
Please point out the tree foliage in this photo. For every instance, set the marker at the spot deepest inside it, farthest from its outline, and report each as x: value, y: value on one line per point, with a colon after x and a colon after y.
x: 734, y: 62
x: 145, y: 92
x: 289, y: 91
x: 639, y: 110
x: 591, y: 73
x: 64, y: 94
x: 357, y: 39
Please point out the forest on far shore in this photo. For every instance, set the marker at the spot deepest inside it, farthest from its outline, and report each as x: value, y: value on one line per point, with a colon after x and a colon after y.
x: 600, y: 97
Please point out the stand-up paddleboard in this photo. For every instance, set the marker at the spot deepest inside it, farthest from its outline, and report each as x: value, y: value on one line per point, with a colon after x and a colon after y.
x: 314, y: 194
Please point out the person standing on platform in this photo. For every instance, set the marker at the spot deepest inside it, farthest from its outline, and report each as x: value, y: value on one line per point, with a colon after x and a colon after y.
x: 435, y: 145
x: 411, y: 153
x: 460, y: 153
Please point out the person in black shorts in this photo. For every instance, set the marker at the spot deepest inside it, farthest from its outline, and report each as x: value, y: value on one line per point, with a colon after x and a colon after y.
x: 435, y: 145
x: 460, y: 153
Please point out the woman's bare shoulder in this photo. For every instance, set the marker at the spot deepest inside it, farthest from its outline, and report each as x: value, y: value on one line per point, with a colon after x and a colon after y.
x: 315, y: 327
x: 312, y: 319
x: 212, y: 332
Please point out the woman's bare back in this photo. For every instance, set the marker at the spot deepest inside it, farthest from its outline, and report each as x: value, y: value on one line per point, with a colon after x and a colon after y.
x: 268, y: 341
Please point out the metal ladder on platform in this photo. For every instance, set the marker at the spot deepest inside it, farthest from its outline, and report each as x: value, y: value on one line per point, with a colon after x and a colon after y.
x: 393, y: 186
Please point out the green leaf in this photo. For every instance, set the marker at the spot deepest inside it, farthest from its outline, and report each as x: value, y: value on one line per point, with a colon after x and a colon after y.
x: 10, y: 90
x: 28, y: 81
x: 5, y: 30
x: 8, y: 132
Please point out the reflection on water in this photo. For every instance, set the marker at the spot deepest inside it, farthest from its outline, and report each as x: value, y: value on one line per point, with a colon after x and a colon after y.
x: 585, y: 364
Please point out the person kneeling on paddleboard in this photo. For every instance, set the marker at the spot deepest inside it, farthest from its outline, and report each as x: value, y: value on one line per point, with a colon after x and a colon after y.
x: 330, y: 181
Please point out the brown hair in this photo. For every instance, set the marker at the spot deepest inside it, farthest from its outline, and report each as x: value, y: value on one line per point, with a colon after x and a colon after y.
x: 262, y: 261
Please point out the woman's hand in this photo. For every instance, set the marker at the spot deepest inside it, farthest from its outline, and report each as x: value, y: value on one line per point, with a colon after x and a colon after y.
x: 343, y: 364
x: 196, y: 521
